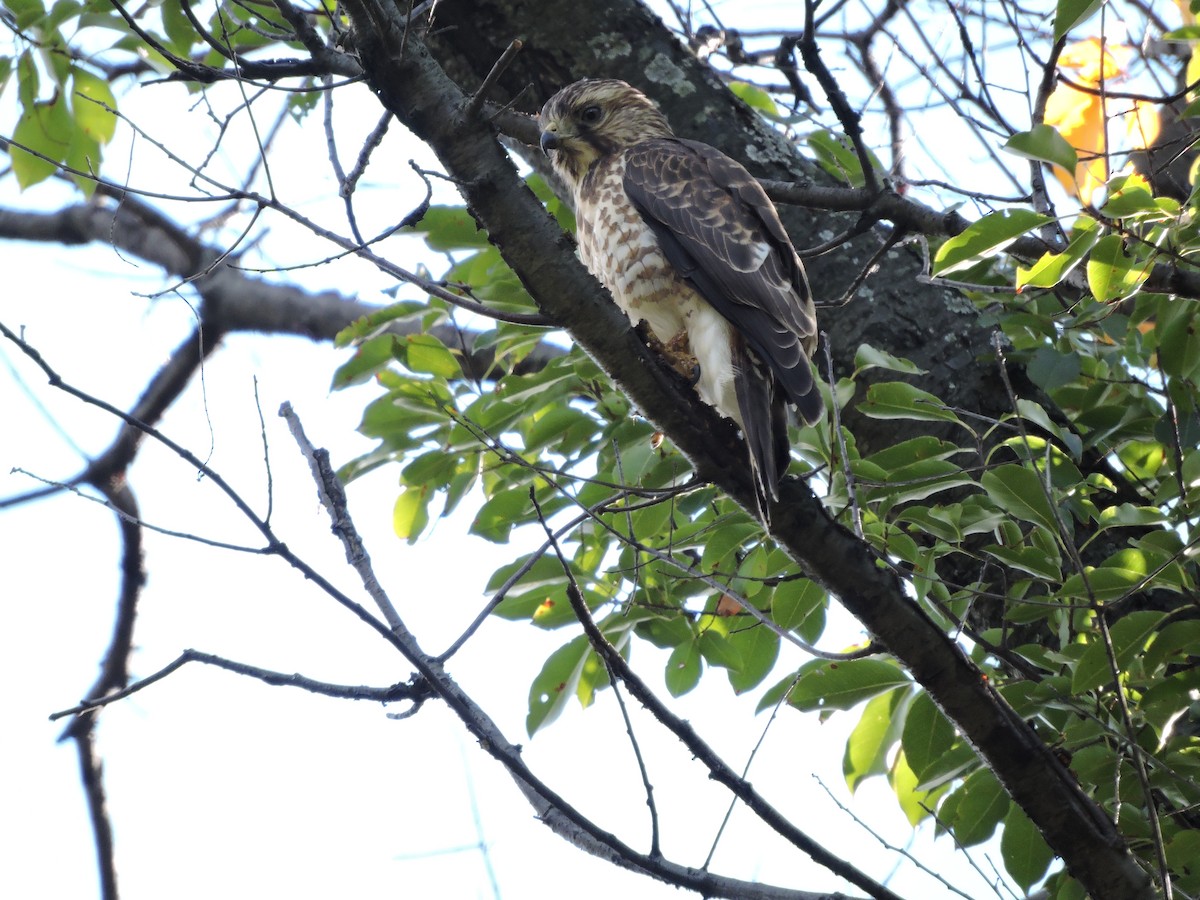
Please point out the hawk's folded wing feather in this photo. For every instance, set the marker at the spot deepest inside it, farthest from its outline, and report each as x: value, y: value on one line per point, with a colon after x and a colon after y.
x: 720, y: 232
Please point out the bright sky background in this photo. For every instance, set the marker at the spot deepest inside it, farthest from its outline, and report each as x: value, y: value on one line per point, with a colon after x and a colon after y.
x: 220, y: 785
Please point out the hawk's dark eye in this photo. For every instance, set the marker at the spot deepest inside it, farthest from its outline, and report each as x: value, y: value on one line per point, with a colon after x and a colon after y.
x: 590, y: 115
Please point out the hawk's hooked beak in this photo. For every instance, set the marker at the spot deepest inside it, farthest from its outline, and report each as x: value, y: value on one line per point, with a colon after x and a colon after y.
x: 549, y: 141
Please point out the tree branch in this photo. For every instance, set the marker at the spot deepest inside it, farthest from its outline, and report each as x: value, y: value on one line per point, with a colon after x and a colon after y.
x: 551, y: 808
x: 420, y: 94
x: 234, y: 300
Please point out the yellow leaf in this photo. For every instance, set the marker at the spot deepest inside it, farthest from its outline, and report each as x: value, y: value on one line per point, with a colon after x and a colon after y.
x: 1079, y: 118
x: 1079, y: 115
x: 1092, y: 61
x: 1143, y: 125
x: 1193, y: 68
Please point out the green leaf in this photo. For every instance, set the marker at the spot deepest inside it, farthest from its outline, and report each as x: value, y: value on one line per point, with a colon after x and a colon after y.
x: 561, y: 211
x: 180, y: 32
x: 425, y: 354
x: 554, y: 425
x: 1070, y: 13
x: 46, y: 129
x: 981, y: 805
x: 61, y: 12
x: 665, y: 632
x: 496, y: 517
x: 985, y: 238
x: 1103, y: 584
x: 825, y: 684
x: 369, y: 326
x: 1129, y: 638
x: 1052, y: 268
x: 720, y: 548
x: 84, y: 157
x: 1025, y: 852
x: 1051, y: 369
x: 683, y: 668
x: 1031, y: 560
x: 1179, y: 337
x: 91, y: 96
x: 432, y: 469
x: 410, y: 515
x: 25, y: 12
x: 545, y: 570
x: 450, y: 228
x: 1126, y: 515
x: 914, y: 803
x: 868, y: 357
x: 754, y: 97
x: 1036, y: 414
x: 556, y: 682
x: 951, y: 765
x: 1132, y: 199
x: 836, y: 155
x: 1019, y: 491
x: 1172, y: 644
x: 799, y: 605
x: 1111, y: 274
x: 913, y: 450
x: 919, y: 480
x: 877, y: 731
x: 758, y: 648
x: 927, y: 735
x: 718, y: 650
x: 1182, y: 852
x: 1045, y: 144
x: 369, y: 357
x: 900, y: 400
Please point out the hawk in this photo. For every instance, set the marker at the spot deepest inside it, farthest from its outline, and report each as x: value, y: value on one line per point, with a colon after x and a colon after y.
x: 687, y: 241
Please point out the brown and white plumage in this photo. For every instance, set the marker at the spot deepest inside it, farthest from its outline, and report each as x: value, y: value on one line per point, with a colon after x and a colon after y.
x: 686, y: 240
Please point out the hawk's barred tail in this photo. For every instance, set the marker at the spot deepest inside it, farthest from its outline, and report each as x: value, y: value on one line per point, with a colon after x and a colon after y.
x: 764, y: 425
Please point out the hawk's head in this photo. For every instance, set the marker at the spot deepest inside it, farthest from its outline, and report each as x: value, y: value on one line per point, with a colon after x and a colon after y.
x: 593, y: 118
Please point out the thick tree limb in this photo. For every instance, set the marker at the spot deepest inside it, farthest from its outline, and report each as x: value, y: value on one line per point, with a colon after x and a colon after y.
x: 415, y: 88
x: 233, y: 300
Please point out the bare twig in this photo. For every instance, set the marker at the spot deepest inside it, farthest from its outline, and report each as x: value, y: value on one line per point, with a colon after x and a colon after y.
x: 415, y: 691
x: 888, y: 845
x: 374, y: 139
x: 552, y: 540
x: 505, y: 60
x: 851, y: 121
x: 333, y: 498
x: 718, y: 769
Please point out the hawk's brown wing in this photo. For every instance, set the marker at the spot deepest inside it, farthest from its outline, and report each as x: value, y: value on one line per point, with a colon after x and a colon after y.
x: 722, y: 234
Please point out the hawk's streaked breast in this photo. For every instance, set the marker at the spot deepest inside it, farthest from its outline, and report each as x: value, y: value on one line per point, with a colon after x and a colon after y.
x: 623, y: 252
